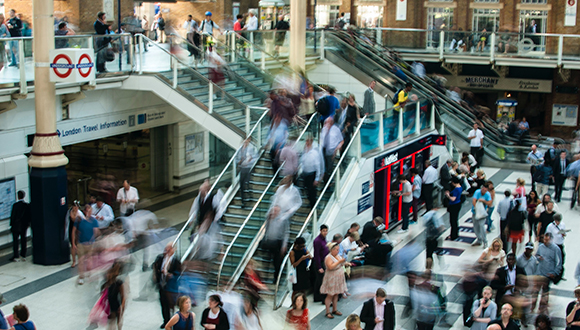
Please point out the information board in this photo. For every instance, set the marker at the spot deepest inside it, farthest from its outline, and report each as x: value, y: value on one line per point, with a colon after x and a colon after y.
x: 7, y: 197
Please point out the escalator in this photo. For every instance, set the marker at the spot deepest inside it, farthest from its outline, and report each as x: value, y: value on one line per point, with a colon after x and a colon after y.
x: 458, y: 122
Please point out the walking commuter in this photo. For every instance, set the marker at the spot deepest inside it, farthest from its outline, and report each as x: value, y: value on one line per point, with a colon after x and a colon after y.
x: 21, y: 315
x: 546, y: 199
x: 332, y: 142
x: 206, y: 29
x: 407, y: 199
x: 246, y: 158
x: 489, y: 221
x: 328, y: 105
x: 541, y: 177
x: 312, y: 169
x: 417, y: 187
x: 476, y: 143
x: 101, y: 28
x: 191, y: 27
x: 400, y: 100
x: 116, y: 294
x: 320, y: 252
x: 161, y: 36
x: 289, y: 157
x: 535, y: 157
x: 479, y: 213
x: 544, y: 220
x: 20, y: 219
x: 349, y: 121
x: 429, y: 178
x: 378, y: 313
x: 433, y: 229
x: 454, y: 207
x: 549, y: 268
x: 558, y: 230
x: 532, y: 203
x: 505, y: 278
x: 166, y: 270
x: 85, y: 233
x: 281, y: 27
x: 128, y: 197
x: 275, y: 240
x: 445, y: 175
x: 369, y: 106
x: 559, y: 167
x: 515, y: 225
x: 204, y: 204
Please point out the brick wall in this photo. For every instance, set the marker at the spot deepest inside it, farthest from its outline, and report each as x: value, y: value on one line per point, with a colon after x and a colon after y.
x: 559, y: 98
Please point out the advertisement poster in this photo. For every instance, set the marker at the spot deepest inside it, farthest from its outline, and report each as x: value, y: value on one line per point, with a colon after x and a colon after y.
x: 570, y: 13
x: 7, y: 197
x: 564, y: 114
x: 401, y: 10
x: 193, y: 148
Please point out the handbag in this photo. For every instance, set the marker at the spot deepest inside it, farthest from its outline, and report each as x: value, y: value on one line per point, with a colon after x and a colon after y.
x: 469, y: 322
x: 480, y: 211
x: 292, y: 276
x: 100, y: 313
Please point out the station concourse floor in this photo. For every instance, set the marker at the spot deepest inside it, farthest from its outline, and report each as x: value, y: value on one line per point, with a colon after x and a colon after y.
x: 56, y: 302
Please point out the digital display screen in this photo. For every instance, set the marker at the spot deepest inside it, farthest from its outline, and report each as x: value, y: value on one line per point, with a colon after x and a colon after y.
x: 7, y: 197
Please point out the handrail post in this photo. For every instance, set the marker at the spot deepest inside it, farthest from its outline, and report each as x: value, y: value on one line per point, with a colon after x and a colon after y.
x: 450, y: 148
x: 381, y: 132
x: 91, y: 46
x: 418, y: 118
x: 174, y: 65
x: 337, y: 183
x: 359, y: 146
x: 314, y: 222
x: 234, y: 176
x: 432, y: 119
x: 247, y: 121
x: 263, y: 61
x: 379, y: 37
x: 22, y: 68
x: 560, y: 49
x: 442, y: 129
x: 252, y: 47
x: 322, y: 43
x: 140, y: 54
x: 259, y: 139
x: 492, y: 48
x: 441, y: 44
x: 131, y: 52
x: 401, y: 128
x: 233, y: 45
x: 210, y: 99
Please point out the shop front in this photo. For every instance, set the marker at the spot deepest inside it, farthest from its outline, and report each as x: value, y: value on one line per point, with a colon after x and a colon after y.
x: 394, y: 163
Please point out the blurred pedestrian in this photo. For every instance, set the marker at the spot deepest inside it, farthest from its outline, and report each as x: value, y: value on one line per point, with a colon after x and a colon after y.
x: 549, y: 268
x: 116, y: 296
x: 214, y: 317
x: 312, y: 169
x: 204, y: 204
x: 85, y: 233
x: 493, y: 256
x: 246, y: 158
x: 332, y: 142
x: 275, y: 240
x: 484, y: 310
x: 166, y: 270
x: 479, y: 214
x: 249, y: 318
x: 378, y: 313
x: 216, y: 66
x: 287, y: 197
x: 289, y: 157
x: 369, y: 99
x: 281, y: 27
x: 334, y: 282
x: 297, y: 316
x: 543, y: 322
x: 300, y: 259
x: 184, y: 319
x: 433, y: 228
x: 20, y: 218
x: 503, y: 209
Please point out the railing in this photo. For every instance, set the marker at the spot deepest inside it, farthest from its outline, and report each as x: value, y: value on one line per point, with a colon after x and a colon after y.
x: 254, y: 244
x: 257, y: 133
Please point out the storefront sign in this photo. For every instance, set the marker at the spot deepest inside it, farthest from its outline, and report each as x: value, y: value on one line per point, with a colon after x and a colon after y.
x: 393, y: 156
x: 564, y: 115
x: 194, y: 148
x: 402, y: 10
x: 570, y: 13
x: 365, y: 203
x: 504, y: 84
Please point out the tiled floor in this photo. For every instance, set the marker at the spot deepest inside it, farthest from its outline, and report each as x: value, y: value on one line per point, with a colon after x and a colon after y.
x: 56, y: 302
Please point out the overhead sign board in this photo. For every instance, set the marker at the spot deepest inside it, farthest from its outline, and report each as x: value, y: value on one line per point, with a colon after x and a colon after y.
x: 502, y: 84
x: 72, y: 65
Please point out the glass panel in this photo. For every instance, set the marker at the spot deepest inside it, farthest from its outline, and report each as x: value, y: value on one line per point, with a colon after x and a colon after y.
x: 370, y: 16
x: 438, y: 19
x: 533, y: 22
x: 112, y: 52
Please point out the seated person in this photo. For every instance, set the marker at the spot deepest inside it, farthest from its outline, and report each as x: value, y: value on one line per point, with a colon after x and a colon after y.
x: 379, y: 248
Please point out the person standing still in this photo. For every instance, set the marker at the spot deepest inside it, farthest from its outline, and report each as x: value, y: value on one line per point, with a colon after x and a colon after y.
x: 417, y: 185
x: 480, y: 196
x: 369, y: 99
x: 407, y: 199
x: 320, y: 252
x: 476, y: 144
x: 429, y: 178
x: 19, y: 223
x: 161, y: 29
x: 15, y: 28
x: 128, y: 197
x: 101, y: 28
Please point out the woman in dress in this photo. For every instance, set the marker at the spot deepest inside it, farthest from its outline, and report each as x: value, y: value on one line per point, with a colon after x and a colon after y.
x: 353, y: 322
x: 333, y: 282
x: 533, y: 202
x: 184, y: 319
x: 484, y: 310
x: 214, y: 317
x: 300, y: 257
x: 298, y: 315
x: 493, y: 257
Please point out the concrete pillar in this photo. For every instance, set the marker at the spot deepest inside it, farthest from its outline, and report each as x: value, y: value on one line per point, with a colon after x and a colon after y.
x: 48, y: 180
x: 298, y: 34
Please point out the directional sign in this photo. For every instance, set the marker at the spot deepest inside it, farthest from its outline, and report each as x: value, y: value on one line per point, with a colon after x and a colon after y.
x: 72, y: 65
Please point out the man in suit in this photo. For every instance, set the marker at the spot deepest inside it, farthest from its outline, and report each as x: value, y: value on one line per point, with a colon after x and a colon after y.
x: 369, y: 100
x: 445, y: 175
x: 378, y: 313
x: 19, y: 223
x: 166, y: 270
x: 505, y: 278
x: 559, y: 168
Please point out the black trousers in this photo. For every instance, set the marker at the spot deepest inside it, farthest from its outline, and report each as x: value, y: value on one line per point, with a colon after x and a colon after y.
x: 428, y: 195
x: 502, y: 235
x: 532, y: 171
x: 454, y: 219
x: 308, y: 179
x: 245, y: 175
x: 425, y: 326
x: 22, y: 236
x: 431, y: 246
x: 318, y: 297
x: 477, y: 152
x: 558, y: 185
x: 274, y: 249
x: 165, y: 301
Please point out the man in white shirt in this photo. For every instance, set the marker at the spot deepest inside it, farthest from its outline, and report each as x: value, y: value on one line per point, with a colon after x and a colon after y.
x: 332, y: 142
x: 535, y: 157
x: 190, y: 26
x: 429, y: 177
x: 245, y: 159
x: 103, y: 213
x: 312, y: 169
x: 542, y: 207
x: 476, y: 144
x: 252, y: 24
x: 407, y: 198
x: 558, y: 230
x: 349, y: 244
x: 128, y: 197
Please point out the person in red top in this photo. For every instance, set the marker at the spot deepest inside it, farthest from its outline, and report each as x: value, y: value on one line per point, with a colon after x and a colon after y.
x: 297, y: 317
x: 239, y: 24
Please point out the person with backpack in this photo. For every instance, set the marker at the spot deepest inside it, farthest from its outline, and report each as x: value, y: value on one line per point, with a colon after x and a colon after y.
x: 400, y: 100
x: 327, y: 105
x: 515, y: 225
x: 207, y: 26
x: 161, y: 28
x: 541, y: 177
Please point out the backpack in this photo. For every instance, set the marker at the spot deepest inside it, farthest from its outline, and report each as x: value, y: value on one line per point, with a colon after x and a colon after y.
x: 203, y: 25
x: 538, y: 175
x: 396, y: 96
x: 323, y: 106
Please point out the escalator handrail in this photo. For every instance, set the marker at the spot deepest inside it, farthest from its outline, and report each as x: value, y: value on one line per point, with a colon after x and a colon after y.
x: 318, y: 201
x: 253, y: 245
x: 223, y: 172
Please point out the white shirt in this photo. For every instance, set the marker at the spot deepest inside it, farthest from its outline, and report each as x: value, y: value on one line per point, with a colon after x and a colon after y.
x: 330, y: 139
x: 476, y: 141
x: 555, y: 230
x: 105, y: 211
x: 288, y: 199
x: 430, y: 175
x: 208, y: 26
x: 512, y: 279
x: 247, y: 156
x: 132, y: 194
x: 380, y: 313
x: 541, y: 208
x: 252, y: 23
x: 190, y: 26
x: 348, y: 245
x: 311, y: 162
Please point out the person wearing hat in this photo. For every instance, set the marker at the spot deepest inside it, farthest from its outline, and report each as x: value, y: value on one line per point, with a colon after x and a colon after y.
x: 207, y: 26
x: 573, y: 311
x: 527, y: 261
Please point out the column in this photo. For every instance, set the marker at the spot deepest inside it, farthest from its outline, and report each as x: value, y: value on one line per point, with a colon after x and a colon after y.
x: 48, y: 180
x: 298, y: 34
